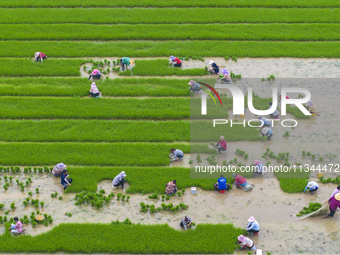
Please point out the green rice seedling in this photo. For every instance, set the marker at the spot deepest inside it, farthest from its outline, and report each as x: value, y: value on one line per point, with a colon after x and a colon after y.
x: 303, y: 153
x: 191, y: 162
x: 68, y: 214
x: 308, y: 153
x: 25, y: 203
x: 235, y: 160
x: 321, y: 159
x: 42, y: 203
x: 5, y: 218
x: 227, y: 58
x: 246, y: 156
x: 36, y: 205
x: 105, y: 61
x: 173, y: 209
x: 1, y: 220
x: 179, y: 194
x: 163, y: 197
x: 34, y: 223
x: 271, y: 78
x: 123, y: 197
x: 234, y: 59
x: 5, y: 178
x: 29, y: 179
x: 37, y: 190
x: 167, y: 198
x: 56, y: 194
x: 30, y: 193
x: 102, y: 191
x: 2, y: 206
x: 313, y: 157
x: 6, y: 212
x: 52, y: 195
x: 12, y: 206
x: 127, y: 198
x: 17, y: 181
x: 60, y: 198
x: 183, y: 190
x: 10, y: 178
x: 27, y: 182
x: 154, y: 196
x: 286, y: 134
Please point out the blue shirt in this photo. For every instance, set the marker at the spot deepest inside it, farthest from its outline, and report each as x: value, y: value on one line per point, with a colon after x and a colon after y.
x: 63, y: 177
x: 266, y: 122
x: 222, y: 183
x: 270, y: 132
x: 215, y: 67
x: 253, y: 225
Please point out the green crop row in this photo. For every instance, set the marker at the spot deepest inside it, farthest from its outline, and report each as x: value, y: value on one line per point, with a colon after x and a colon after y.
x: 173, y: 3
x: 121, y: 131
x: 166, y: 48
x: 91, y: 108
x: 167, y: 16
x: 293, y: 181
x: 276, y: 31
x: 160, y: 67
x: 77, y: 87
x: 134, y: 239
x: 93, y: 154
x: 50, y: 67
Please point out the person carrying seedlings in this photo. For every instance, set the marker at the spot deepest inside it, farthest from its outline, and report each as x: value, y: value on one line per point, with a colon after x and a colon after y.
x: 64, y: 179
x: 311, y: 187
x: 194, y: 86
x: 310, y: 106
x: 336, y: 191
x: 221, y: 144
x: 58, y: 169
x: 40, y: 56
x: 253, y: 226
x: 240, y: 181
x: 125, y: 63
x: 221, y: 184
x: 258, y: 166
x: 246, y: 243
x: 119, y: 180
x: 95, y: 74
x: 186, y: 223
x: 334, y: 204
x: 171, y: 188
x: 94, y: 91
x: 267, y: 132
x: 176, y: 154
x: 16, y: 228
x: 226, y: 76
x: 214, y: 67
x: 266, y: 122
x: 275, y: 114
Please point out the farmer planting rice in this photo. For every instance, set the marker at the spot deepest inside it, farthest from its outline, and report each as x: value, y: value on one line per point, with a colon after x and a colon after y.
x: 214, y: 67
x: 246, y: 243
x: 95, y: 73
x: 39, y: 56
x: 119, y: 180
x: 94, y: 92
x: 226, y: 76
x: 221, y: 144
x: 310, y: 106
x: 275, y: 114
x: 311, y: 187
x: 176, y: 154
x: 194, y: 86
x: 253, y: 227
x: 267, y: 132
x: 126, y: 62
x: 240, y: 181
x: 334, y: 204
x: 64, y: 179
x: 336, y: 191
x: 58, y: 169
x: 258, y: 166
x: 16, y: 228
x: 174, y: 61
x: 266, y: 122
x: 221, y: 184
x: 186, y: 223
x: 171, y: 188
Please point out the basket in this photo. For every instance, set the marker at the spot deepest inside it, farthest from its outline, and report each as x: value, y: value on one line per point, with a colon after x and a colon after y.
x: 39, y: 217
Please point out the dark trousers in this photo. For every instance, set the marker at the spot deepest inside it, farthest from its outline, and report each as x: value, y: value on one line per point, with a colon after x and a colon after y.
x: 332, y: 212
x: 178, y: 65
x: 95, y: 76
x: 121, y: 183
x: 122, y: 65
x: 94, y: 94
x: 253, y: 231
x: 65, y: 184
x: 221, y: 149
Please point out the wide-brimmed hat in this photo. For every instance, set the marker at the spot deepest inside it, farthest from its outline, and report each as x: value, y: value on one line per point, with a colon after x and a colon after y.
x: 221, y: 137
x: 256, y: 162
x: 211, y: 62
x: 265, y: 131
x: 251, y: 219
x: 191, y: 82
x: 224, y: 71
x: 337, y: 196
x: 310, y: 103
x: 132, y: 62
x: 242, y: 238
x: 123, y: 174
x: 93, y: 84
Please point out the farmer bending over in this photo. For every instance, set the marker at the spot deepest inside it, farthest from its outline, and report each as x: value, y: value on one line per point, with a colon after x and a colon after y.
x: 253, y: 226
x: 125, y: 63
x: 221, y: 184
x: 64, y: 179
x: 39, y: 56
x: 246, y: 243
x: 176, y: 62
x: 275, y: 114
x: 16, y: 228
x: 186, y: 223
x: 311, y: 186
x: 94, y: 91
x: 226, y: 76
x: 266, y: 122
x: 334, y: 204
x: 176, y: 154
x: 195, y: 87
x: 119, y: 180
x: 267, y: 132
x: 221, y: 145
x: 214, y: 67
x: 95, y: 73
x: 311, y: 107
x: 240, y: 181
x: 258, y: 166
x: 58, y: 169
x: 171, y: 188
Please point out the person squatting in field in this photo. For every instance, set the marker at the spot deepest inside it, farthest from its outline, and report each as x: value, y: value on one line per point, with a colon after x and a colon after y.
x: 275, y: 114
x: 334, y: 204
x: 266, y: 122
x: 246, y: 243
x: 171, y: 188
x: 119, y: 180
x: 126, y: 63
x: 175, y: 62
x: 95, y: 73
x: 65, y: 181
x: 311, y: 187
x: 240, y: 181
x: 186, y: 223
x: 39, y: 56
x: 176, y: 154
x: 214, y: 67
x: 310, y: 106
x: 258, y: 166
x: 267, y: 132
x: 253, y: 227
x: 58, y: 169
x: 221, y: 184
x: 226, y: 76
x: 221, y: 144
x: 16, y: 228
x: 194, y: 86
x: 94, y: 91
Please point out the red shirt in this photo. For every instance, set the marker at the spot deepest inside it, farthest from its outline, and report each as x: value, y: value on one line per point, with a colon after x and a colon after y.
x: 223, y: 144
x: 177, y: 61
x: 239, y: 179
x: 334, y: 204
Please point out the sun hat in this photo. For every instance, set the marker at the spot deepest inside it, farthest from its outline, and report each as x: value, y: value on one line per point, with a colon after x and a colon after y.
x: 211, y: 62
x: 233, y: 175
x: 251, y: 219
x: 310, y: 103
x: 191, y: 82
x: 256, y: 162
x: 132, y: 62
x: 265, y: 131
x: 224, y: 71
x: 221, y: 137
x: 93, y: 84
x: 123, y: 174
x: 242, y: 238
x: 337, y: 196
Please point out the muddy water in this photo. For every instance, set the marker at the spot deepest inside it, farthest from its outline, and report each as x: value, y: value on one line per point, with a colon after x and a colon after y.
x: 274, y: 209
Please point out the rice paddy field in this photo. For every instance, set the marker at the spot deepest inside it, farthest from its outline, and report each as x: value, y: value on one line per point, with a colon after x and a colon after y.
x: 47, y: 117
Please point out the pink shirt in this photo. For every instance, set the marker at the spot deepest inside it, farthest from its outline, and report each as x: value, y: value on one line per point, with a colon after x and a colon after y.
x: 18, y: 226
x: 223, y: 144
x: 334, y: 204
x: 334, y: 192
x: 94, y: 89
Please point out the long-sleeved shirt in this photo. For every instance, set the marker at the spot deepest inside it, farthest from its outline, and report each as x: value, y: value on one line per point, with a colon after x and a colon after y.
x: 267, y: 122
x: 270, y: 132
x: 223, y: 144
x: 126, y: 61
x: 186, y: 222
x: 311, y: 185
x: 64, y: 179
x: 249, y: 243
x: 117, y: 179
x: 334, y: 204
x: 177, y: 61
x: 334, y: 192
x: 18, y: 226
x: 253, y: 225
x: 196, y: 86
x: 57, y: 170
x: 94, y: 89
x: 239, y: 179
x: 170, y: 187
x: 215, y: 67
x: 275, y: 113
x: 178, y: 153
